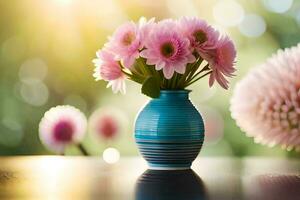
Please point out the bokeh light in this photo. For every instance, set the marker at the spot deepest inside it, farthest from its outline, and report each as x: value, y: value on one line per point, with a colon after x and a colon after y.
x: 252, y: 25
x: 34, y: 93
x: 228, y: 12
x: 33, y: 70
x: 278, y: 6
x: 13, y: 48
x: 111, y: 155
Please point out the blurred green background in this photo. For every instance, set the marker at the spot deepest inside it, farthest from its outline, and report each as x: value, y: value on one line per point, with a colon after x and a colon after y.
x: 46, y: 49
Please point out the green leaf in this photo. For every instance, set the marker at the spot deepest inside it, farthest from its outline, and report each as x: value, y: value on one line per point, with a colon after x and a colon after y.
x: 151, y: 87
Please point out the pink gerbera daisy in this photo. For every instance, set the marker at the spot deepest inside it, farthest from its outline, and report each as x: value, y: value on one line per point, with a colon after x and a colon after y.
x: 145, y: 27
x: 108, y: 69
x: 167, y: 49
x: 62, y: 126
x: 202, y: 36
x: 221, y: 61
x: 125, y: 43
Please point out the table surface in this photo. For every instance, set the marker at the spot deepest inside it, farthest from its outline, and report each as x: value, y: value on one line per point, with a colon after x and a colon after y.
x: 58, y: 177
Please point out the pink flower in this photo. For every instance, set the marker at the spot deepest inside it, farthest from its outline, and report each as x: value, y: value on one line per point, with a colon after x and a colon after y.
x: 125, y: 44
x: 221, y: 60
x: 106, y: 123
x: 145, y: 28
x: 202, y: 36
x: 167, y: 49
x: 108, y: 69
x: 107, y: 127
x: 62, y: 126
x: 266, y: 103
x: 218, y: 51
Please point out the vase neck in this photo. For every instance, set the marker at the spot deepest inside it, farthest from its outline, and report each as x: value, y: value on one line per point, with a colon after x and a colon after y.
x: 172, y: 94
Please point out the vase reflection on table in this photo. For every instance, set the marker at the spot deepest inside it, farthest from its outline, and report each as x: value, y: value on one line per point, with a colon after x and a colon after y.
x: 170, y: 185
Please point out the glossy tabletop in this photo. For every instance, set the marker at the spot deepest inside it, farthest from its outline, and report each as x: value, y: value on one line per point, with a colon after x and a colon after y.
x: 55, y: 177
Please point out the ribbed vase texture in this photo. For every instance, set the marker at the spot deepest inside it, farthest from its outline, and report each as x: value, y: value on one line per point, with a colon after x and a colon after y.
x: 169, y: 131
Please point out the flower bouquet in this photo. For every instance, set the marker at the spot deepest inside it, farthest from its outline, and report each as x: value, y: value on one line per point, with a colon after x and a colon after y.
x: 166, y: 57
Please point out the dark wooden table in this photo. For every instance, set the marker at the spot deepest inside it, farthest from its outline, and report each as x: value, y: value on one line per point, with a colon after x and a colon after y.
x: 55, y: 177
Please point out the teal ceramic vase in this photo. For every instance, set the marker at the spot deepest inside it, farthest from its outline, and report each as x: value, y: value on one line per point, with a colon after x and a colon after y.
x: 169, y: 131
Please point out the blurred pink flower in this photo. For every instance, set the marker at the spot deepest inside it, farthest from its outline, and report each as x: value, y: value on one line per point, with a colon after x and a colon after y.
x: 221, y: 60
x: 108, y: 69
x: 202, y: 36
x: 125, y: 44
x: 167, y: 49
x: 105, y: 123
x: 266, y: 103
x: 107, y: 127
x: 62, y: 126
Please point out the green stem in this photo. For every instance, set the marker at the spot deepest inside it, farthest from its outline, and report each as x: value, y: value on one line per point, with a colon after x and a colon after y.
x: 82, y: 149
x: 144, y: 67
x: 137, y: 73
x: 133, y: 71
x: 173, y: 81
x: 191, y: 82
x: 205, y: 68
x: 189, y: 71
x: 194, y: 68
x: 134, y: 77
x: 177, y: 79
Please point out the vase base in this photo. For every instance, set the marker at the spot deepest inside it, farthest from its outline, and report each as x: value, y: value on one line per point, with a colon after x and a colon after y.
x: 168, y: 167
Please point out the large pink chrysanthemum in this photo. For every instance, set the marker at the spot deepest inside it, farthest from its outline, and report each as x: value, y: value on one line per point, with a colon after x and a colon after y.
x: 221, y: 60
x: 108, y: 69
x: 266, y: 103
x: 62, y: 126
x: 202, y: 36
x: 125, y: 43
x: 167, y: 49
